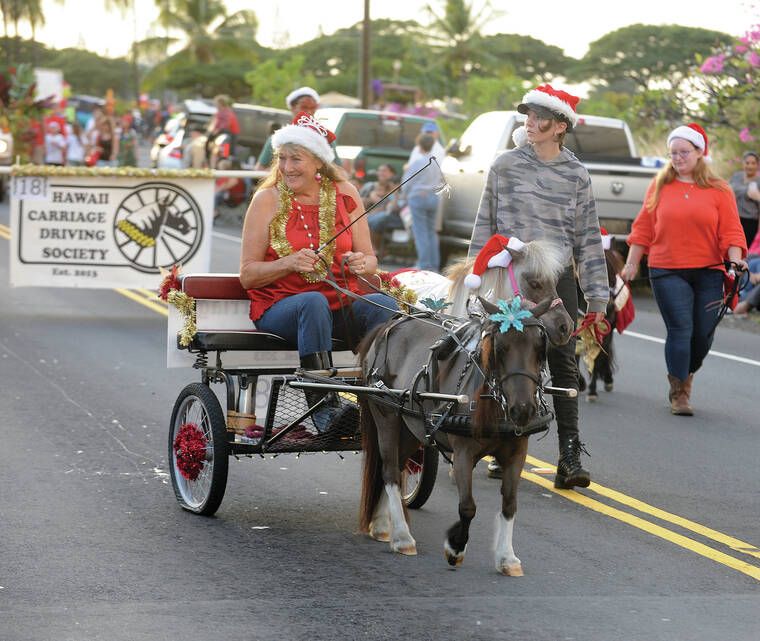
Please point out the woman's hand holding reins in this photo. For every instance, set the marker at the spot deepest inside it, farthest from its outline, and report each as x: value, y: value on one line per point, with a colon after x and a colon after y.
x: 356, y: 262
x: 304, y: 260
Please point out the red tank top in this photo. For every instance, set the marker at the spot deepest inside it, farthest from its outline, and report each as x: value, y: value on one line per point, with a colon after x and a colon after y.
x: 302, y: 231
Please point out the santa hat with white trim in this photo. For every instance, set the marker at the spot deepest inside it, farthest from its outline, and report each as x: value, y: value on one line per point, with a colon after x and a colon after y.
x: 547, y: 102
x: 606, y: 238
x: 495, y: 253
x: 694, y: 134
x: 300, y: 93
x: 306, y: 132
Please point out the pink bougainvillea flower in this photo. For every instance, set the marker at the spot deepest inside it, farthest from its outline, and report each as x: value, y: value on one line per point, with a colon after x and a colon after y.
x: 740, y: 48
x: 714, y: 64
x: 753, y: 58
x: 745, y: 135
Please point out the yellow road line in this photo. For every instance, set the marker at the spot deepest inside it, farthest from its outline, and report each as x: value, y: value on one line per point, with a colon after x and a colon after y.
x: 161, y: 309
x: 646, y: 508
x: 5, y: 232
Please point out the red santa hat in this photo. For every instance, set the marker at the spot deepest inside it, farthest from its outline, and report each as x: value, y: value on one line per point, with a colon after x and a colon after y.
x: 554, y: 102
x: 694, y: 134
x: 495, y: 253
x: 606, y: 239
x: 306, y: 132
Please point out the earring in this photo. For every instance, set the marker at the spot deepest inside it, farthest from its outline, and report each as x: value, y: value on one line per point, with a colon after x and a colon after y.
x: 318, y: 177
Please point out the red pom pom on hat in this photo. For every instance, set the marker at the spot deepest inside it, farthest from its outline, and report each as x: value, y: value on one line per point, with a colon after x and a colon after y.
x: 493, y: 254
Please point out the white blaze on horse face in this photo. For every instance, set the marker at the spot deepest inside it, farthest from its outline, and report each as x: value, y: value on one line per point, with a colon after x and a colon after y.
x: 401, y: 538
x: 506, y: 561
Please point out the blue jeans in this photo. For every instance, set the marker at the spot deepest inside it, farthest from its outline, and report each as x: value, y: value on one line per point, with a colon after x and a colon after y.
x: 689, y: 301
x: 379, y: 221
x: 747, y: 287
x: 423, y: 228
x: 306, y: 320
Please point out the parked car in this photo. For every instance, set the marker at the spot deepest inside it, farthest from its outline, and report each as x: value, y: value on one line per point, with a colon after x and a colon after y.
x: 168, y: 147
x: 366, y: 139
x: 255, y: 124
x: 604, y: 145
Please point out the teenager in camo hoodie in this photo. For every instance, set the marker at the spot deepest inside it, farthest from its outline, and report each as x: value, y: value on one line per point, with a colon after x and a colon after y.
x: 541, y: 191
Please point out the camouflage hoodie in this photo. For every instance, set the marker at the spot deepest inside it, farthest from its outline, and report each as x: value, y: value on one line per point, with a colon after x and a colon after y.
x: 553, y: 201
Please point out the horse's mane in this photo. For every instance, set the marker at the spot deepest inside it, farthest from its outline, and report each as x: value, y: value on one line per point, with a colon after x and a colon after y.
x: 539, y: 257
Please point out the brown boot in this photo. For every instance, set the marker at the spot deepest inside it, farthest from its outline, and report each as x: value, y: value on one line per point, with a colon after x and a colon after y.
x: 679, y: 397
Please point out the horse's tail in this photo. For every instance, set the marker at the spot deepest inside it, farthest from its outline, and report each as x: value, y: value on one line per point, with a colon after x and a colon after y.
x: 372, y: 479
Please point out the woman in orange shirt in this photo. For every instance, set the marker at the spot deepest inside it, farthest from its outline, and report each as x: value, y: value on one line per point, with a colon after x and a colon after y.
x: 688, y: 226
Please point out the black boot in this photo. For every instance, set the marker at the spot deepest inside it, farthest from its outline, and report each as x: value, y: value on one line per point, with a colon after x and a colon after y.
x: 570, y: 472
x: 331, y: 411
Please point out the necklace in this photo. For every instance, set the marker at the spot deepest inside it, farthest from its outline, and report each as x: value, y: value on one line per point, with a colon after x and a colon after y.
x: 279, y: 239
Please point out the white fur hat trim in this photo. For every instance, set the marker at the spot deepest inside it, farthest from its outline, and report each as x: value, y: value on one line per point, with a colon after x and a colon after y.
x: 553, y: 103
x: 520, y: 137
x: 606, y: 241
x: 502, y: 259
x: 301, y: 91
x: 305, y: 137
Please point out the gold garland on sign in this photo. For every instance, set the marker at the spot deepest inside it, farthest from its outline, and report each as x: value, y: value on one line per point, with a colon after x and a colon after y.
x: 110, y: 172
x: 278, y: 226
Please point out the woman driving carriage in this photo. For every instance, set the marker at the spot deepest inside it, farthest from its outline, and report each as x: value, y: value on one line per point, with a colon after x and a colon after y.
x: 286, y: 258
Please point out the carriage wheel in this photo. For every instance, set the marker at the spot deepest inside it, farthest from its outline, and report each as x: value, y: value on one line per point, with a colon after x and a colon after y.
x: 421, y: 470
x: 199, y: 480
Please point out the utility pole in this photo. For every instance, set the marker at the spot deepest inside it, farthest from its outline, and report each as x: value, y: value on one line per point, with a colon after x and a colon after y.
x: 365, y: 88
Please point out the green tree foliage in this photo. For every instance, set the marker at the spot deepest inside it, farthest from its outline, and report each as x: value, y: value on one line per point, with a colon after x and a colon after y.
x: 524, y: 56
x: 271, y: 81
x: 646, y: 55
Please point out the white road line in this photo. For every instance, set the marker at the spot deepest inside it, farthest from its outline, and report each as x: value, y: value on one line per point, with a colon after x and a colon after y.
x: 730, y: 357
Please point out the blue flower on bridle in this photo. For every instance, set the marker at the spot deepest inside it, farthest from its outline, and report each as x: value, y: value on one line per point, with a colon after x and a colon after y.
x: 511, y: 315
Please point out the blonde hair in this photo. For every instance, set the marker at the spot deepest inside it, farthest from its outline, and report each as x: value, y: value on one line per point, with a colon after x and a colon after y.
x: 703, y: 175
x: 328, y: 170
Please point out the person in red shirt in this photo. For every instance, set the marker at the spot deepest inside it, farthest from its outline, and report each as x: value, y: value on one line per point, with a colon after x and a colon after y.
x: 688, y: 226
x: 298, y: 208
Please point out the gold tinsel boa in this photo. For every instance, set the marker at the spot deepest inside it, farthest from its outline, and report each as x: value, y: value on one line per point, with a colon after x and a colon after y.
x: 109, y: 172
x: 186, y: 307
x: 277, y: 227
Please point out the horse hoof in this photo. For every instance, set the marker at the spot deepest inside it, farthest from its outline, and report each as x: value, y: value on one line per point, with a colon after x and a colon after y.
x: 453, y: 558
x: 407, y: 550
x: 608, y: 387
x: 514, y: 569
x: 380, y: 536
x: 592, y: 398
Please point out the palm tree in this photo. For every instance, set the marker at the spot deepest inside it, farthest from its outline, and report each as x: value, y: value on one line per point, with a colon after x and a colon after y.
x: 455, y: 32
x: 208, y: 35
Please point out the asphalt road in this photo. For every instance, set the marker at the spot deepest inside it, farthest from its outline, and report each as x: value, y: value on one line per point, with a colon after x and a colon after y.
x: 95, y: 547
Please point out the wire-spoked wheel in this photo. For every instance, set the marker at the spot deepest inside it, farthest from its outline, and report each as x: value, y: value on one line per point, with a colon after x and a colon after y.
x: 198, y: 415
x: 420, y: 471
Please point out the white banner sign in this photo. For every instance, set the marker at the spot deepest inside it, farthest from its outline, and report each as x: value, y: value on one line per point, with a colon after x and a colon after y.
x: 108, y: 232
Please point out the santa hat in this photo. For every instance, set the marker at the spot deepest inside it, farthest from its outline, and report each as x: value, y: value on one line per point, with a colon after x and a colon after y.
x: 306, y: 132
x: 300, y: 92
x: 493, y: 254
x: 694, y: 134
x: 606, y: 239
x: 561, y: 104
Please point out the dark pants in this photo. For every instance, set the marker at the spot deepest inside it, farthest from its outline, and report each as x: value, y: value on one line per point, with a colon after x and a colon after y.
x: 689, y: 301
x: 749, y: 225
x: 562, y: 365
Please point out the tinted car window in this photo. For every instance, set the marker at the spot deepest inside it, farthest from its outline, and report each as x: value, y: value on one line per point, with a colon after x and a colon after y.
x: 379, y: 131
x: 592, y: 141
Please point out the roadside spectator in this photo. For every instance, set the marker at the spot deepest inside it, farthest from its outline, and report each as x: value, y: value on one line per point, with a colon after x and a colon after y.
x: 224, y: 122
x: 301, y: 99
x: 228, y: 191
x: 688, y: 226
x: 745, y: 186
x: 438, y: 152
x: 55, y: 145
x: 75, y: 146
x: 127, y: 156
x: 751, y: 296
x: 386, y: 217
x: 194, y: 155
x: 420, y: 194
x: 106, y: 143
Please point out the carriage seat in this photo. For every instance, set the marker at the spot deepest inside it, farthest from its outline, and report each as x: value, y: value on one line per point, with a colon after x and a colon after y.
x: 222, y: 317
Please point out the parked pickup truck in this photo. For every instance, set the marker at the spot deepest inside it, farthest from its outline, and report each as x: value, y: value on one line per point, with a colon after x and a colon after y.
x: 604, y: 145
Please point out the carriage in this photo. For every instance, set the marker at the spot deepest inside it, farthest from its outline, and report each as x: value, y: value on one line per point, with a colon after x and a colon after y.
x: 265, y: 411
x: 468, y: 383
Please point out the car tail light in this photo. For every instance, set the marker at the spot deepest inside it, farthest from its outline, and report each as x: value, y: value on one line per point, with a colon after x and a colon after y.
x: 176, y: 153
x: 360, y: 168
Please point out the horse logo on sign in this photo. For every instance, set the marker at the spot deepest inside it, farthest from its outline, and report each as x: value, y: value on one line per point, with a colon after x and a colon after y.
x: 158, y: 225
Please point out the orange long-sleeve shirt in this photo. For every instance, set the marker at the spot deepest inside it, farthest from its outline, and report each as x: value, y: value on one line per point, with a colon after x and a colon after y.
x: 690, y: 227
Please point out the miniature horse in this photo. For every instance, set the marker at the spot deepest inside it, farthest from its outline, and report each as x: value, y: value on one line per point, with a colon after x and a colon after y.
x: 509, y: 371
x: 604, y: 364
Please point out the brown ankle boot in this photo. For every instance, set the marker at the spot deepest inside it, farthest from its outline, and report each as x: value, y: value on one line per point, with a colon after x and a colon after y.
x: 679, y: 396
